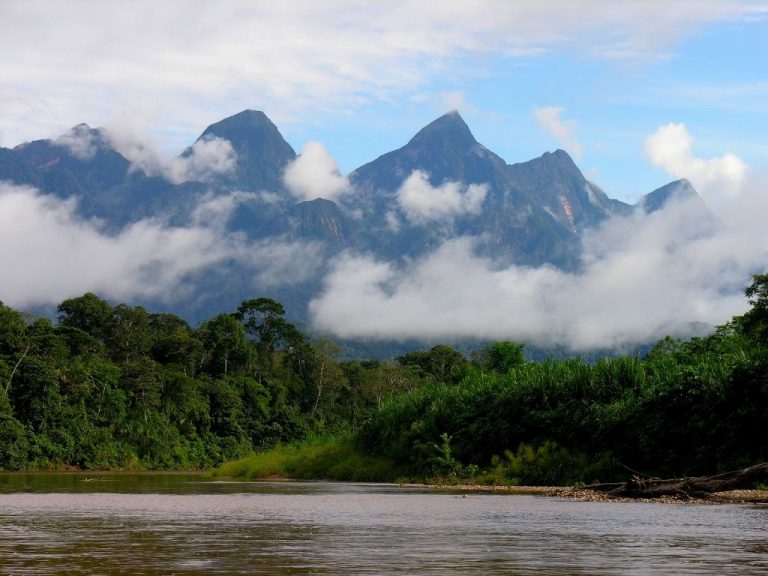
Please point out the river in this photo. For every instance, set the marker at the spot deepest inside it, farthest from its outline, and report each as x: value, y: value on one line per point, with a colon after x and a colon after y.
x: 192, y: 524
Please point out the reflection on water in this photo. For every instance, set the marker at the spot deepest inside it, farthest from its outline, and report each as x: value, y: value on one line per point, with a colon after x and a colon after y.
x: 187, y: 524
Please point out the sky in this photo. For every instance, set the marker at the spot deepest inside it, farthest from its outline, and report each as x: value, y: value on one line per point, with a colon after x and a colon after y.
x: 639, y: 92
x: 593, y: 77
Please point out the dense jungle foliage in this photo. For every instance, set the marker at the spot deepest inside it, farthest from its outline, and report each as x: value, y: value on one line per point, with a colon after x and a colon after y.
x: 119, y: 387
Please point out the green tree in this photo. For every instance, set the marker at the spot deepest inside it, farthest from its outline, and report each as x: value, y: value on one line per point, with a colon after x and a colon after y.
x: 225, y: 348
x: 88, y: 313
x: 327, y: 377
x: 755, y: 321
x: 129, y: 335
x: 264, y: 322
x: 441, y: 364
x: 501, y: 357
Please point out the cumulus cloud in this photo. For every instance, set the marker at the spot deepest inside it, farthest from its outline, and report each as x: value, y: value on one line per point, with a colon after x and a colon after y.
x: 50, y: 253
x: 550, y: 120
x: 421, y: 202
x: 315, y: 174
x: 671, y: 148
x: 642, y: 277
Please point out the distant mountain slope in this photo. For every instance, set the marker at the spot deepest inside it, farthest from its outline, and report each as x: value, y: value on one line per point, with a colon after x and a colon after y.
x: 529, y: 213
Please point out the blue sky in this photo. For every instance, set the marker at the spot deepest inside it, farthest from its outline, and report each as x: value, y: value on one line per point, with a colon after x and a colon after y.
x: 714, y: 80
x: 363, y: 77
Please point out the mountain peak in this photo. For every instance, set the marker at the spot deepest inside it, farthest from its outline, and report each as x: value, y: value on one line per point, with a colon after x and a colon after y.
x: 262, y: 152
x: 559, y: 156
x: 678, y: 190
x: 240, y: 124
x: 450, y: 129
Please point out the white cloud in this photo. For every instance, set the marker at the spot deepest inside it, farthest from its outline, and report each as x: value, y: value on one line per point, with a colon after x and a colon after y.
x: 643, y: 277
x: 456, y: 100
x: 279, y: 262
x: 51, y: 254
x: 550, y: 120
x: 80, y: 141
x: 421, y: 202
x: 205, y: 159
x: 70, y: 61
x: 208, y: 157
x: 315, y: 174
x: 671, y: 148
x: 214, y: 211
x: 393, y: 221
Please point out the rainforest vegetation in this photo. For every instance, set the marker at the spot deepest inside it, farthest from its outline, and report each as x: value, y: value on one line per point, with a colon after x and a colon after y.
x: 119, y: 387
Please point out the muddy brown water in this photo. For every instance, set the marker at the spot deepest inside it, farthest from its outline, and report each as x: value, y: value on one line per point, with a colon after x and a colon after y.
x: 192, y: 524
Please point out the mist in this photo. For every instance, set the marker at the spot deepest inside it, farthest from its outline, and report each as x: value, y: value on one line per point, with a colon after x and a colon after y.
x: 672, y: 272
x: 52, y: 254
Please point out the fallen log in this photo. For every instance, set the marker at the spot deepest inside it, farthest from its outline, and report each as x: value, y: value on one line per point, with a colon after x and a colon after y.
x: 690, y: 487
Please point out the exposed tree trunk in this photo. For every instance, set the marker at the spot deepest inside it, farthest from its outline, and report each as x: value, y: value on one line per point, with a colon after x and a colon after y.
x: 16, y: 367
x: 693, y: 487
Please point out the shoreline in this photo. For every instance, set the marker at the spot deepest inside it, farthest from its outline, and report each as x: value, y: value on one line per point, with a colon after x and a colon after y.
x: 743, y: 496
x: 753, y: 496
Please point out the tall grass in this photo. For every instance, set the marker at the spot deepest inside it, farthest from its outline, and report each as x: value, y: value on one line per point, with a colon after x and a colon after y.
x: 320, y: 457
x: 687, y: 412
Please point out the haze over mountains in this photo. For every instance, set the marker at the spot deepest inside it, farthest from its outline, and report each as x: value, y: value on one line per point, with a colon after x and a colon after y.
x: 441, y: 238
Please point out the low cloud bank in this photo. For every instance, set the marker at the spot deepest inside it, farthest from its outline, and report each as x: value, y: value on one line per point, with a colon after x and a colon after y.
x: 643, y: 277
x: 51, y: 254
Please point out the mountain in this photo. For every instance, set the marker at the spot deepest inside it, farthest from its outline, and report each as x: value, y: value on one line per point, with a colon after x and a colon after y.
x: 446, y: 149
x: 533, y: 212
x: 529, y: 213
x: 262, y: 153
x: 679, y: 190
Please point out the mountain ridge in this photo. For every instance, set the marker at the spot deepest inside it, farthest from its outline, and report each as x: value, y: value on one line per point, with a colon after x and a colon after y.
x: 530, y: 213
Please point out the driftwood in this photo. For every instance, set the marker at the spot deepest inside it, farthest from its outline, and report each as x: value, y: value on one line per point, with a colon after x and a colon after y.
x: 692, y: 487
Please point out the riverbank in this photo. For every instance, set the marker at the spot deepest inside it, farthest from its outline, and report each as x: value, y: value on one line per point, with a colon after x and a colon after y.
x: 753, y: 496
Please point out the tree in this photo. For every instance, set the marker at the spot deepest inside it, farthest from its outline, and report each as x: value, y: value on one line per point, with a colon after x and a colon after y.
x: 129, y: 333
x: 88, y: 313
x: 262, y: 319
x: 501, y: 357
x: 755, y: 321
x: 387, y: 380
x: 12, y: 331
x: 442, y: 363
x: 327, y: 377
x: 225, y: 348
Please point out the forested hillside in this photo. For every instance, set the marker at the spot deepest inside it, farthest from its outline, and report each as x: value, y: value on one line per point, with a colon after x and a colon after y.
x: 120, y: 387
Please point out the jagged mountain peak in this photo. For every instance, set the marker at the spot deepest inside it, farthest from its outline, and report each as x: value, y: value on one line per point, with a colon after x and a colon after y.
x: 242, y: 121
x: 448, y: 130
x: 262, y: 152
x: 558, y: 160
x: 246, y: 130
x: 445, y: 149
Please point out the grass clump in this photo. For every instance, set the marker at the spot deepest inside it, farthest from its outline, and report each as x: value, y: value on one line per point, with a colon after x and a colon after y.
x: 326, y: 457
